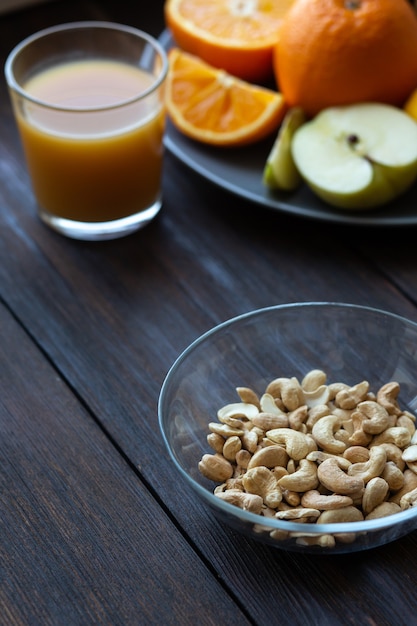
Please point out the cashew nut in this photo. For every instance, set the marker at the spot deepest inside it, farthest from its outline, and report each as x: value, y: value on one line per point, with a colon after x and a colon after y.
x: 237, y: 409
x: 224, y: 430
x: 374, y: 466
x: 303, y: 479
x: 279, y: 535
x: 375, y: 417
x: 342, y: 434
x: 246, y: 501
x: 324, y: 541
x: 384, y: 510
x: 279, y: 472
x: 398, y: 435
x: 261, y: 481
x: 336, y: 516
x: 334, y: 389
x: 349, y: 398
x: 297, y: 418
x: 250, y: 440
x: 312, y: 444
x: 289, y: 390
x: 387, y: 397
x: 296, y: 443
x: 315, y: 500
x: 243, y: 458
x: 248, y: 396
x: 410, y: 415
x: 336, y: 480
x: 269, y: 405
x: 215, y: 467
x: 291, y: 466
x: 410, y: 483
x: 356, y: 454
x: 291, y: 497
x: 318, y: 456
x: 298, y: 514
x: 313, y: 379
x: 409, y: 499
x: 269, y: 421
x: 406, y: 422
x: 375, y: 493
x: 316, y: 397
x: 394, y: 454
x: 271, y: 456
x: 410, y: 454
x: 315, y: 413
x: 323, y: 433
x: 216, y: 442
x: 412, y: 465
x: 231, y: 483
x: 239, y: 422
x: 268, y: 513
x: 345, y: 415
x: 360, y: 438
x: 393, y: 475
x: 231, y: 447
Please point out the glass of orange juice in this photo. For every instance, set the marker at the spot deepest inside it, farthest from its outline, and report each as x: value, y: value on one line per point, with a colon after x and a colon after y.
x: 88, y: 102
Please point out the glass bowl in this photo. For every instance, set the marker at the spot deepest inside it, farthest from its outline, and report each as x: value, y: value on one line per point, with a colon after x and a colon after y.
x: 349, y: 343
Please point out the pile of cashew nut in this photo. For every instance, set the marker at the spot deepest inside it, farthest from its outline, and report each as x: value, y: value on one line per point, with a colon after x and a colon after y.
x: 314, y: 452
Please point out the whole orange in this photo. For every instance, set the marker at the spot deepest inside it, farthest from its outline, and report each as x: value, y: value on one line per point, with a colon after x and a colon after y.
x: 337, y: 52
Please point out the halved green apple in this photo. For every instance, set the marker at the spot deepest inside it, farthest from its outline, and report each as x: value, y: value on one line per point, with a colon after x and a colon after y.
x: 280, y: 171
x: 358, y: 156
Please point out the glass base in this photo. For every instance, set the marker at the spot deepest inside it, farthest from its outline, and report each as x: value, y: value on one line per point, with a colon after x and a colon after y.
x: 98, y: 231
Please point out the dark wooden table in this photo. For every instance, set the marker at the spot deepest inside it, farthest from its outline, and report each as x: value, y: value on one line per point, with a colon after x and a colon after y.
x: 96, y: 526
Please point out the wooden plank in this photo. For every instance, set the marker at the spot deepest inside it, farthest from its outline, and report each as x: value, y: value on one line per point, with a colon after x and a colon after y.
x: 82, y: 539
x: 12, y: 5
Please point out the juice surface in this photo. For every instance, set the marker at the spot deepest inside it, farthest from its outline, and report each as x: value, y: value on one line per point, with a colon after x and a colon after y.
x: 99, y: 165
x: 91, y: 83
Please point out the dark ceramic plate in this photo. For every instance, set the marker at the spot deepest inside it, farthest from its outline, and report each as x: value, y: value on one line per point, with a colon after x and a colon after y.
x: 239, y: 171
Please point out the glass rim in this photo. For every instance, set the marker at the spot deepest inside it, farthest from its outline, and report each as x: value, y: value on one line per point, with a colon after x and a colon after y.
x: 14, y: 86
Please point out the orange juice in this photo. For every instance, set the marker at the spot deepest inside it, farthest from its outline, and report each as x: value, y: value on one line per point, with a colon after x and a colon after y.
x: 91, y: 158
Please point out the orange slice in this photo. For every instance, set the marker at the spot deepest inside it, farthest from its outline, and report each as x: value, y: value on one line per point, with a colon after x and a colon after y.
x: 235, y: 35
x: 410, y: 105
x: 214, y: 107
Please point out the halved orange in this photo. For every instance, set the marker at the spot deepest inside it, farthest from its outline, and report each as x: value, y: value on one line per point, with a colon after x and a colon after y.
x: 214, y: 107
x: 235, y: 35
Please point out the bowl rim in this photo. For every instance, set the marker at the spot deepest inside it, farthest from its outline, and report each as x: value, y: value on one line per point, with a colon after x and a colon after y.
x: 380, y: 523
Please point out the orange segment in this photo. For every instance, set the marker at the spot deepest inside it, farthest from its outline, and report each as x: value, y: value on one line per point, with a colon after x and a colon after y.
x: 235, y: 35
x: 410, y: 105
x: 214, y: 107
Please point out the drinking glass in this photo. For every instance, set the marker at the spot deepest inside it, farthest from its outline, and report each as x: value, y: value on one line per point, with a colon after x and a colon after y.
x: 89, y: 105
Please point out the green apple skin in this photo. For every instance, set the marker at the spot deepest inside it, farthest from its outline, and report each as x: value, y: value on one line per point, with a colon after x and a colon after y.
x: 280, y: 171
x: 359, y: 156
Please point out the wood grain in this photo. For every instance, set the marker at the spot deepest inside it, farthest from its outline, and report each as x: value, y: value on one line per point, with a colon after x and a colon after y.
x: 96, y: 525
